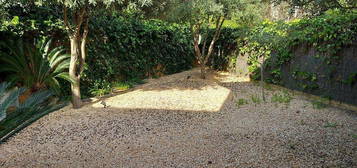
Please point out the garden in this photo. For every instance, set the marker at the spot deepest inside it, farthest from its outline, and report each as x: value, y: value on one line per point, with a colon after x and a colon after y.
x: 172, y: 83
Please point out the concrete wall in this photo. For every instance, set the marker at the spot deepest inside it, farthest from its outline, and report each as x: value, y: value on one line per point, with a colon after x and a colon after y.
x: 337, y: 80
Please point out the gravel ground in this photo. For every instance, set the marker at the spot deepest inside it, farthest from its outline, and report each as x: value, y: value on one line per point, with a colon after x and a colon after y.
x: 178, y: 122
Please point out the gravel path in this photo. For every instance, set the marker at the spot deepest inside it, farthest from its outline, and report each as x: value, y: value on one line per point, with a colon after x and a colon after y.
x: 178, y: 122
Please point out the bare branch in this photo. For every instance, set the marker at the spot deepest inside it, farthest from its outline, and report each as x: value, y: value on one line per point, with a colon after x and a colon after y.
x: 79, y: 20
x: 65, y: 20
x: 82, y: 59
x: 219, y: 23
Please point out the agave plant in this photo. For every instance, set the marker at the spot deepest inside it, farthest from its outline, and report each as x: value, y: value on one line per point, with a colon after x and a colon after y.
x: 7, y: 98
x: 35, y: 66
x: 22, y: 114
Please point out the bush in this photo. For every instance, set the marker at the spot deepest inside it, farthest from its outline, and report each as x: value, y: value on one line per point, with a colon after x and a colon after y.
x: 122, y: 50
x: 226, y: 48
x: 15, y: 116
x: 35, y: 66
x: 128, y: 49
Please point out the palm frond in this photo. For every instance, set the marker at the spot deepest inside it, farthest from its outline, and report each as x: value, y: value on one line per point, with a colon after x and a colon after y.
x: 45, y: 48
x: 59, y: 59
x: 35, y: 107
x: 65, y: 76
x: 3, y: 87
x: 33, y: 64
x: 35, y: 99
x: 7, y: 101
x: 62, y: 66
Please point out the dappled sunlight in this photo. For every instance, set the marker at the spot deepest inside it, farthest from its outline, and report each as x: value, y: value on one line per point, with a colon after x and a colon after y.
x: 209, y: 98
x: 227, y: 77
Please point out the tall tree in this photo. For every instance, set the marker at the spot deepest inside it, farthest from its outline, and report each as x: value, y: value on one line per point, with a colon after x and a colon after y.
x: 76, y: 15
x: 202, y: 15
x: 317, y: 7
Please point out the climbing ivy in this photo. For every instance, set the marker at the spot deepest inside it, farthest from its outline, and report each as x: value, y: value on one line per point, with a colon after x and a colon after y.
x: 276, y: 41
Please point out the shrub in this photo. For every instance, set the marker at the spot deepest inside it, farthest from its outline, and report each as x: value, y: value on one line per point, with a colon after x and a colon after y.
x: 129, y: 48
x: 23, y: 114
x: 125, y: 48
x: 34, y: 66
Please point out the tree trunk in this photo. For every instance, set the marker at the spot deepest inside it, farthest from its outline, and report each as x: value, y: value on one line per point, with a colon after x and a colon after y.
x: 262, y: 77
x: 203, y: 71
x: 77, y: 32
x: 75, y: 85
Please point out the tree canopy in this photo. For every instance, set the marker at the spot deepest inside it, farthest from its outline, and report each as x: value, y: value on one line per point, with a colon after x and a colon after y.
x: 202, y: 15
x: 76, y: 15
x: 319, y: 6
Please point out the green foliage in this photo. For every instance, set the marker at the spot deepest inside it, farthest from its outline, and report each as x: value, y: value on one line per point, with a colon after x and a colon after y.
x: 100, y: 88
x: 32, y: 22
x: 318, y: 104
x: 305, y: 80
x: 23, y: 114
x: 241, y: 102
x: 125, y: 85
x: 202, y: 11
x: 316, y: 7
x: 351, y: 80
x: 284, y: 97
x: 275, y: 41
x: 36, y: 66
x: 225, y: 51
x: 252, y: 13
x: 330, y: 125
x: 7, y: 100
x: 121, y: 86
x: 202, y: 16
x: 76, y: 4
x: 256, y: 99
x: 354, y: 136
x: 128, y: 48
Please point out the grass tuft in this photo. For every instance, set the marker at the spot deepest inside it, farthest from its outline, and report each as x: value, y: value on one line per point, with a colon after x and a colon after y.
x: 318, y: 104
x: 256, y: 99
x: 330, y: 125
x: 241, y: 102
x: 281, y: 98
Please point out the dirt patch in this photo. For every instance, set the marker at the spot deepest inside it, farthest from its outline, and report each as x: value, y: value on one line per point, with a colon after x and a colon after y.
x: 183, y: 121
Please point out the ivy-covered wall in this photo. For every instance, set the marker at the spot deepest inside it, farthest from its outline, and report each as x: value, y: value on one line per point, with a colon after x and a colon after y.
x: 309, y: 72
x: 315, y: 55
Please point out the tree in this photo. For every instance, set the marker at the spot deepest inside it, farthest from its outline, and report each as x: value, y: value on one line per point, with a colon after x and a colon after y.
x: 317, y: 7
x: 76, y: 16
x: 202, y: 15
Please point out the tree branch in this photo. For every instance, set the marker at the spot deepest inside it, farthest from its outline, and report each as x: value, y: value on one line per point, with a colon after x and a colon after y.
x: 65, y: 20
x: 196, y: 33
x: 79, y: 20
x: 83, y: 46
x: 219, y: 24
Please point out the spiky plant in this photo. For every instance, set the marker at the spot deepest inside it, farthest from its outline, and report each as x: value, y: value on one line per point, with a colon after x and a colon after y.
x: 35, y: 66
x: 7, y: 98
x: 23, y: 114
